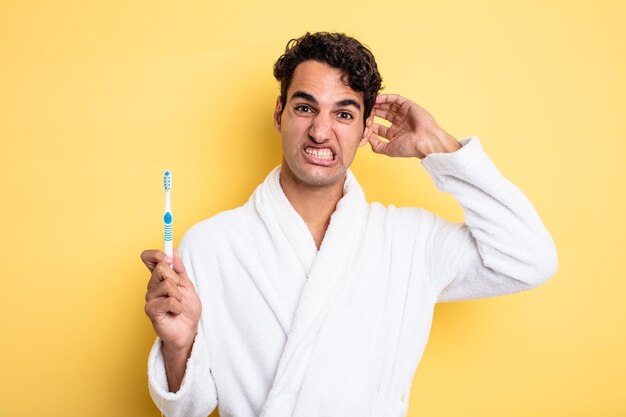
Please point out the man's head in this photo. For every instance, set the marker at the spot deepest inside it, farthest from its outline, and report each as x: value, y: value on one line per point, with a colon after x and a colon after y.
x: 329, y: 83
x: 349, y: 56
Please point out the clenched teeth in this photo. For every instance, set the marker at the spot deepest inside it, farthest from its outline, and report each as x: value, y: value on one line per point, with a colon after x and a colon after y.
x: 320, y: 153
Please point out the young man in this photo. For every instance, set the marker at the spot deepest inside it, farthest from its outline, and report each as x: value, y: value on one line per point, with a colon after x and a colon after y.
x: 308, y: 301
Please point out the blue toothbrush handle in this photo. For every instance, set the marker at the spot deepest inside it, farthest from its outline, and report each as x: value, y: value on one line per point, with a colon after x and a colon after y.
x: 169, y: 249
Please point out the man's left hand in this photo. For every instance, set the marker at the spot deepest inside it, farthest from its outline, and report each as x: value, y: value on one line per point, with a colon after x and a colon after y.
x: 413, y: 131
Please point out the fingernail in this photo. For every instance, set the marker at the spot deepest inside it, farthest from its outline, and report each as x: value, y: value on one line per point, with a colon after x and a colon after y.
x: 168, y: 259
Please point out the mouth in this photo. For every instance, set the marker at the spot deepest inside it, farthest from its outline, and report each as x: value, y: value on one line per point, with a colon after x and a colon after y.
x: 323, y: 153
x: 319, y: 156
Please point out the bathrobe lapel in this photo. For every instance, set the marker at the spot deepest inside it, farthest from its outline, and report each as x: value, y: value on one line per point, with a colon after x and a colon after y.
x: 292, y: 249
x: 324, y: 270
x: 291, y: 224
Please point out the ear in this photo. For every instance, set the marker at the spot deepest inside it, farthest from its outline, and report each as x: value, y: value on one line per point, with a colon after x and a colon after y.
x: 369, y: 126
x: 278, y: 114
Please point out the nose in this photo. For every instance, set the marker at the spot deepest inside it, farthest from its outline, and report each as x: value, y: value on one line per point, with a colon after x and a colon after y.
x: 321, y: 128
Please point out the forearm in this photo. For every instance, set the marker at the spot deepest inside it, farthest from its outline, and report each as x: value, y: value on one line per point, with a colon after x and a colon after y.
x: 175, y: 364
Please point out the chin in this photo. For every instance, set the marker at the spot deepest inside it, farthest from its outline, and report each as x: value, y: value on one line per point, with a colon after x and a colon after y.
x: 315, y: 178
x: 324, y: 180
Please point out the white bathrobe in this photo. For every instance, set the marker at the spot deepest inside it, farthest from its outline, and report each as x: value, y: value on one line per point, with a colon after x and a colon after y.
x: 287, y: 330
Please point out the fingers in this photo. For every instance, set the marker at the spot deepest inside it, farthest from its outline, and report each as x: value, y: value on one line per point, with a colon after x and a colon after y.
x: 161, y: 272
x: 177, y: 263
x: 161, y: 306
x: 164, y: 289
x: 385, y: 113
x: 179, y: 267
x: 393, y: 107
x: 392, y: 111
x: 381, y: 130
x: 390, y: 99
x: 164, y: 294
x: 377, y: 145
x: 167, y: 285
x: 152, y: 257
x: 159, y: 264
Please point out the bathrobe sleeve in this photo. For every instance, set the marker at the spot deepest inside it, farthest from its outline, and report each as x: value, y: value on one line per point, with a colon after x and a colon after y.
x: 197, y: 395
x: 502, y: 247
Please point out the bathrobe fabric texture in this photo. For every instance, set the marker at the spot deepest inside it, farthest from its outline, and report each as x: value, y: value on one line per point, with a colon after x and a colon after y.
x: 287, y: 330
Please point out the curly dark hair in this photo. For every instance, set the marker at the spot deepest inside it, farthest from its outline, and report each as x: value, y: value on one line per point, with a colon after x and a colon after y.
x: 338, y: 50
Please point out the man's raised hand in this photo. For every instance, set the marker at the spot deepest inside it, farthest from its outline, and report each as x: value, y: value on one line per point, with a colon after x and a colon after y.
x: 172, y: 303
x: 413, y: 131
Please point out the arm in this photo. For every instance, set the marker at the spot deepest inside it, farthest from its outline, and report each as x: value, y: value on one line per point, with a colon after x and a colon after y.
x: 196, y: 396
x: 503, y: 246
x: 179, y: 376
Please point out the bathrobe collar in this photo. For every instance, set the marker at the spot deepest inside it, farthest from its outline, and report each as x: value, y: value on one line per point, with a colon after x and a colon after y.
x: 324, y: 270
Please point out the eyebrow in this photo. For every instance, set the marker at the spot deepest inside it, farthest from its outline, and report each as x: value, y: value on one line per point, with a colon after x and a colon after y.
x: 349, y: 102
x: 304, y: 95
x: 341, y: 103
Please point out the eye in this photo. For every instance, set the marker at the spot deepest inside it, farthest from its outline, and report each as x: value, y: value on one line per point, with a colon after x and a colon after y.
x: 345, y: 115
x: 303, y: 108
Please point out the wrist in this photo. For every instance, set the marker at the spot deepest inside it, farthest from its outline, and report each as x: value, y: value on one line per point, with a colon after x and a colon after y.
x: 174, y: 350
x: 440, y: 142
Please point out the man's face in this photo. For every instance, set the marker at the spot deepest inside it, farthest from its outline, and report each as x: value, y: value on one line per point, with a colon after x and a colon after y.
x: 321, y: 126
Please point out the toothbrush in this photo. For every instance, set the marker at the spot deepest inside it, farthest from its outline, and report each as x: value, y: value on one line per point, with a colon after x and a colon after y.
x: 167, y: 218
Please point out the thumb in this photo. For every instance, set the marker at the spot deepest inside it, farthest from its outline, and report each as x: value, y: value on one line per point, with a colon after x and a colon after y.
x: 378, y: 146
x: 179, y: 268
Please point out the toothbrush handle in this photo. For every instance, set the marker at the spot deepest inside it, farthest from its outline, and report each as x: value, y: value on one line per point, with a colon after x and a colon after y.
x: 169, y: 249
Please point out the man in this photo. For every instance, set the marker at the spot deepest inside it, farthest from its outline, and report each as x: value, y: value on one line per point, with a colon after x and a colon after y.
x: 308, y: 301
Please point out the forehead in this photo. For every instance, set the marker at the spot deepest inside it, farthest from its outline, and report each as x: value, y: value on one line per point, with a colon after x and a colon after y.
x: 323, y: 82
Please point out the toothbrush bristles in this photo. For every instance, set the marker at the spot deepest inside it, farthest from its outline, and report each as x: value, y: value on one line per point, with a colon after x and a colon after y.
x: 167, y: 180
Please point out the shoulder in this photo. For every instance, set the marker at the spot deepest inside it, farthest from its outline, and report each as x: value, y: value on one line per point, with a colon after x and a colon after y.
x: 401, y: 222
x: 216, y: 228
x: 399, y: 215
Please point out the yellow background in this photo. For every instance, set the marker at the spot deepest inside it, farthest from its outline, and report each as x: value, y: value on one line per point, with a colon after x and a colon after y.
x: 98, y: 98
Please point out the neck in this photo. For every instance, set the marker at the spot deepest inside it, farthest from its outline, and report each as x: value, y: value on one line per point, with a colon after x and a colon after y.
x: 315, y: 204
